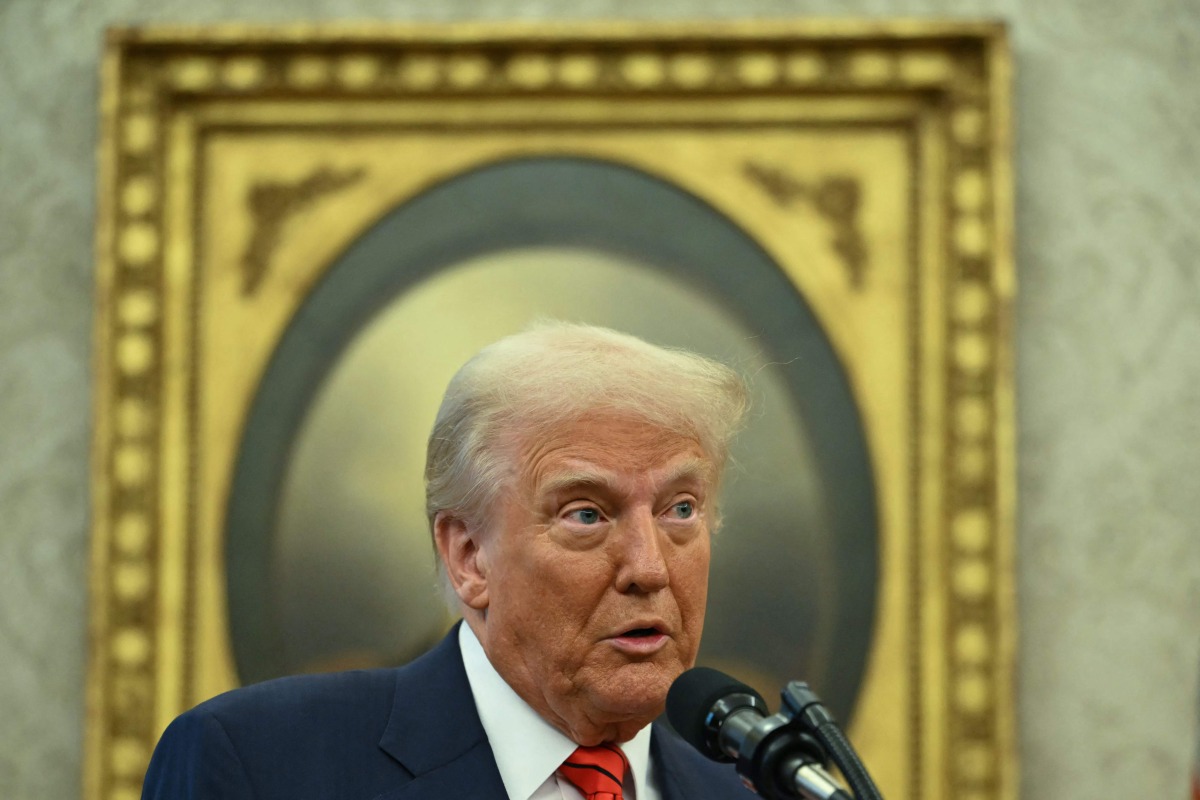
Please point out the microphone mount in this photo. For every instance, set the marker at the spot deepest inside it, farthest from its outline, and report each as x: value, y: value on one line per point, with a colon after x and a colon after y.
x: 781, y: 755
x: 772, y: 755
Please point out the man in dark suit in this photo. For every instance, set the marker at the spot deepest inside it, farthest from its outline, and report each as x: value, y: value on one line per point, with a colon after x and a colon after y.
x: 571, y: 486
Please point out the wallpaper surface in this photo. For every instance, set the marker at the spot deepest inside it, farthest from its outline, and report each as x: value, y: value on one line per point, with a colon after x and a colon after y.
x: 1108, y: 327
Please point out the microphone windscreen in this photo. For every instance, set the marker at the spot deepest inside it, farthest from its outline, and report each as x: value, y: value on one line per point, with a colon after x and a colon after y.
x: 691, y: 698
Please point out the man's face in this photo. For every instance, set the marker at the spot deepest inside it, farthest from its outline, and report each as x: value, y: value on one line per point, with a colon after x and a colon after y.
x: 596, y: 572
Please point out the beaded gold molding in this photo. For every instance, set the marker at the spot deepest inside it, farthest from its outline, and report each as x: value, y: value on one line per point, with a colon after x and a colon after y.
x: 955, y: 632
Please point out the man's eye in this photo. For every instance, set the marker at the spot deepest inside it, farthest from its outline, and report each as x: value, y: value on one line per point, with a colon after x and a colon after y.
x: 586, y: 516
x: 683, y: 510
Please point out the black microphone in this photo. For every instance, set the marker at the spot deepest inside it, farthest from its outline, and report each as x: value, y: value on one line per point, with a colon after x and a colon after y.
x: 727, y: 720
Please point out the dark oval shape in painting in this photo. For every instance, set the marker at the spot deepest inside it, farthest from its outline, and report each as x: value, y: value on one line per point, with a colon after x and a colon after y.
x: 779, y: 607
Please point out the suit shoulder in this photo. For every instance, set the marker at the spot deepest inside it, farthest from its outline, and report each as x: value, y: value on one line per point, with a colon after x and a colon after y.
x: 302, y: 736
x: 282, y: 738
x: 306, y: 700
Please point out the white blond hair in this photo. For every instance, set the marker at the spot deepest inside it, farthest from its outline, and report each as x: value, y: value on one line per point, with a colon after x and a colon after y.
x: 555, y: 372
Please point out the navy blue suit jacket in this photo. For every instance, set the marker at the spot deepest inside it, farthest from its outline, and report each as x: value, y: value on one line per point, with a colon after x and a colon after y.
x: 410, y: 733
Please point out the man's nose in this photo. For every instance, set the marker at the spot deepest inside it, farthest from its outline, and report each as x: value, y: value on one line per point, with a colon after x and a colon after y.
x: 642, y: 563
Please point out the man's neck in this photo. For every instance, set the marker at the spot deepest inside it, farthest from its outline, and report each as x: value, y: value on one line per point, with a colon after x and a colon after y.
x: 527, y: 748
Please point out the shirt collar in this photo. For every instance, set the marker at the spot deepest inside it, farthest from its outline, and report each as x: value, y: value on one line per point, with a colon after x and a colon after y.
x: 527, y: 748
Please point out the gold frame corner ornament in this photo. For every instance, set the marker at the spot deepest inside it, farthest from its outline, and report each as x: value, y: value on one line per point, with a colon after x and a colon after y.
x: 942, y: 665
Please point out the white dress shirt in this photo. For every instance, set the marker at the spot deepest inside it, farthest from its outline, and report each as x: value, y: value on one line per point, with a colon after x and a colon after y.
x: 528, y: 749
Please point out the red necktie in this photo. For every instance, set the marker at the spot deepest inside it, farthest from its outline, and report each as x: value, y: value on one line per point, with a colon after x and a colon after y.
x: 596, y: 771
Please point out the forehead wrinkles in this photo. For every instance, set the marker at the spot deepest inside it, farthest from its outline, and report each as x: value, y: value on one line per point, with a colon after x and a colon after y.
x: 575, y: 474
x: 609, y: 452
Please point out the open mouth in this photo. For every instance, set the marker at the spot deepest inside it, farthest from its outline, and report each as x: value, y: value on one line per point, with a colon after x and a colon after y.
x: 640, y: 633
x: 641, y: 642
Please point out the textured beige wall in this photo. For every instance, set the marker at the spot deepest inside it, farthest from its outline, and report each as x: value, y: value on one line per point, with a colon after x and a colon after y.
x: 1108, y: 328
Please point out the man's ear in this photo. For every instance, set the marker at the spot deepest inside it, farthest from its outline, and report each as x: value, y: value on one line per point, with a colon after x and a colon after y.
x: 458, y: 547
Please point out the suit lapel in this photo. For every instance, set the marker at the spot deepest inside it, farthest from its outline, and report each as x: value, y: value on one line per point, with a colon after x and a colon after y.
x: 675, y: 781
x: 686, y: 775
x: 471, y: 774
x: 434, y: 731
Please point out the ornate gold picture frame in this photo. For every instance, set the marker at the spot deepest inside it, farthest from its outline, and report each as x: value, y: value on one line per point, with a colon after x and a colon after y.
x: 244, y: 171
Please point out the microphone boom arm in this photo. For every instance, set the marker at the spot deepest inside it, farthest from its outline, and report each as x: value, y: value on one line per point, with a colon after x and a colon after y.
x: 804, y: 708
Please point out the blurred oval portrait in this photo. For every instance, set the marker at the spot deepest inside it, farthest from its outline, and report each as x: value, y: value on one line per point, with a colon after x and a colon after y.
x: 330, y: 563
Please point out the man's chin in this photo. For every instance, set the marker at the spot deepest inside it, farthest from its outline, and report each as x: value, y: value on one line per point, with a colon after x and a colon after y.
x: 638, y: 691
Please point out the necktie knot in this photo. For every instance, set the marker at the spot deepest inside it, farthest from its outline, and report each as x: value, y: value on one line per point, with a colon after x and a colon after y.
x: 598, y: 772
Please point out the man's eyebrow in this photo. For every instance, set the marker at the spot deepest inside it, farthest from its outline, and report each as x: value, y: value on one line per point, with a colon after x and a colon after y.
x: 572, y: 480
x: 693, y: 468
